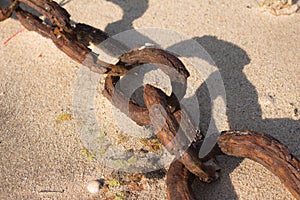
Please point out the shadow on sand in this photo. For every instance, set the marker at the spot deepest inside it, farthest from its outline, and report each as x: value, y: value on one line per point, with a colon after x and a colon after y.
x: 243, y: 110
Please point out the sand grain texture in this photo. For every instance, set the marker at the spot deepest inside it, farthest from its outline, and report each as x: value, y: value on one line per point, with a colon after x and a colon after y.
x: 258, y: 56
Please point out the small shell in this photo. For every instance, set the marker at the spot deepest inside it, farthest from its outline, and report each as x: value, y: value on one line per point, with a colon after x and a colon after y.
x: 94, y: 186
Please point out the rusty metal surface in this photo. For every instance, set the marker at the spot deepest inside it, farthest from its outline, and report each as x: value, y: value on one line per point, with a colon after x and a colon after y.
x: 73, y: 39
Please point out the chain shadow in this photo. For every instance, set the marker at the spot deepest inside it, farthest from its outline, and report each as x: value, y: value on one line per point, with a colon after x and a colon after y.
x: 243, y: 109
x: 230, y: 61
x: 132, y: 10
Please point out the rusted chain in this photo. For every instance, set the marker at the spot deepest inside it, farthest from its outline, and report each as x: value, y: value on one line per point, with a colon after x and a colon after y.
x: 179, y: 182
x: 258, y: 147
x: 166, y: 61
x: 154, y: 96
x: 7, y: 12
x: 267, y: 151
x: 169, y: 135
x: 178, y: 130
x: 65, y: 41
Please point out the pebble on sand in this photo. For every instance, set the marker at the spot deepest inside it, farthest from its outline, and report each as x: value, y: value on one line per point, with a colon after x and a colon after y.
x: 94, y: 186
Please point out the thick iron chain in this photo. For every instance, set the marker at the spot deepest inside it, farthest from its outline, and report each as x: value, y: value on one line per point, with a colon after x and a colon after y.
x: 73, y: 39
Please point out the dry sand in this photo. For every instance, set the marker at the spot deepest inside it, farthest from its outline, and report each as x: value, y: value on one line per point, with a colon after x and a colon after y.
x: 258, y: 56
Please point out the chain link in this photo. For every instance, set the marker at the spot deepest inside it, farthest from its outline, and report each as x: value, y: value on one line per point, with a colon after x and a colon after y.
x: 74, y: 38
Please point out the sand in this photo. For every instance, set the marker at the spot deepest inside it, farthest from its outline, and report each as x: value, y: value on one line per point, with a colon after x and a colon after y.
x: 258, y: 56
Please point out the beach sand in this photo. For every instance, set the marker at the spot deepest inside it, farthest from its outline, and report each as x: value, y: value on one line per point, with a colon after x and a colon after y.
x: 258, y: 56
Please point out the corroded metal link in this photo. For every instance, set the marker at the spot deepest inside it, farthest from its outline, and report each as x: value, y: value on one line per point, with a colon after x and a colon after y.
x: 73, y: 39
x: 165, y: 61
x: 138, y: 114
x: 169, y: 135
x: 57, y: 15
x: 7, y: 12
x: 179, y: 182
x: 68, y: 38
x: 175, y: 135
x: 266, y: 150
x: 258, y: 147
x: 65, y: 42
